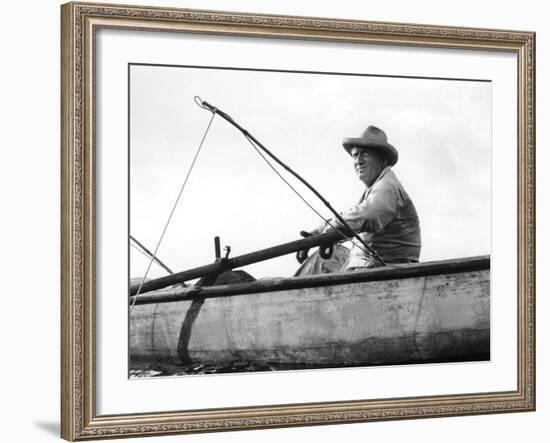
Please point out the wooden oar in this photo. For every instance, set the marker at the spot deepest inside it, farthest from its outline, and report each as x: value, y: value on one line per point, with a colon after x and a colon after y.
x: 241, y: 260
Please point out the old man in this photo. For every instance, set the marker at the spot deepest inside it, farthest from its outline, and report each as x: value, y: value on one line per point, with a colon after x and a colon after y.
x: 385, y: 216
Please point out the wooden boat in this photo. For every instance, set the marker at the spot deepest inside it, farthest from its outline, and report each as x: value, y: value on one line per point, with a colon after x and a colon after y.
x: 414, y: 313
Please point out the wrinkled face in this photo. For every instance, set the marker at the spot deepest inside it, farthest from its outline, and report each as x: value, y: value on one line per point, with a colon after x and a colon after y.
x: 368, y: 164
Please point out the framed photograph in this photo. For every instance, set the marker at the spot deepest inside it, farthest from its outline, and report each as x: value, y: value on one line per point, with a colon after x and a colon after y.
x: 283, y: 221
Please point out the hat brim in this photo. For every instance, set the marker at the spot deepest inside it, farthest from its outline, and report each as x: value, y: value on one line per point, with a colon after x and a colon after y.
x: 385, y: 148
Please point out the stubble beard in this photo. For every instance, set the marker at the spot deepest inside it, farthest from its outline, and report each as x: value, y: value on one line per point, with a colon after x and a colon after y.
x: 367, y: 175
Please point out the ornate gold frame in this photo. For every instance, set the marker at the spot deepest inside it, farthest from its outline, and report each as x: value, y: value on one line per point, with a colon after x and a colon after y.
x: 79, y: 420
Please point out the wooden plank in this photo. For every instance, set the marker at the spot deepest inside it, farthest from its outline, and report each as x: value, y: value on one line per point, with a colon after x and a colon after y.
x: 397, y: 272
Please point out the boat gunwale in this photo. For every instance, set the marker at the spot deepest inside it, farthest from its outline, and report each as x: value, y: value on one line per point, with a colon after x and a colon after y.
x: 390, y: 272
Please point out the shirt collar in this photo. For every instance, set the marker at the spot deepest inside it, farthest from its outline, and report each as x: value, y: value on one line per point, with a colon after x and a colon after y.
x: 368, y: 189
x: 382, y: 174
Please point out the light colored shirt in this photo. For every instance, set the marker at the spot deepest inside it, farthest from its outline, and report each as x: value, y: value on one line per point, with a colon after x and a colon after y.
x: 387, y: 221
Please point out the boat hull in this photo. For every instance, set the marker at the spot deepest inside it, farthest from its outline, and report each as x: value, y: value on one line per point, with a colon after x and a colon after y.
x: 417, y: 318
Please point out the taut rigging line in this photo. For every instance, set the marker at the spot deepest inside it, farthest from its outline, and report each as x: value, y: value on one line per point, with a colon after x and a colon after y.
x: 205, y: 105
x: 154, y: 255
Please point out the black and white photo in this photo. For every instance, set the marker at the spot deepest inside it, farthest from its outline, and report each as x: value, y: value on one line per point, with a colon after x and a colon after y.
x: 284, y: 220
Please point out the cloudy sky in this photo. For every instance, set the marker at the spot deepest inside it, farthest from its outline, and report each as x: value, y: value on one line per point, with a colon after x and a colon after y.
x: 442, y: 129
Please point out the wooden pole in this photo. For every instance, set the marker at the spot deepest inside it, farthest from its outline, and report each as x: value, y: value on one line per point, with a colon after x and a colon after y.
x: 241, y: 260
x: 391, y: 272
x: 151, y: 255
x: 217, y: 249
x: 254, y: 140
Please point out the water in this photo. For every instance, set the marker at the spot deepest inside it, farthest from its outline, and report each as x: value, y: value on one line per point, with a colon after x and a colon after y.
x: 146, y: 370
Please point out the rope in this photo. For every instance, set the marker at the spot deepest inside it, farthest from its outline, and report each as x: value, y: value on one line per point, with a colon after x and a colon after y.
x: 172, y: 211
x: 205, y: 105
x: 327, y: 221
